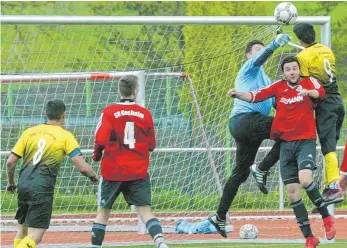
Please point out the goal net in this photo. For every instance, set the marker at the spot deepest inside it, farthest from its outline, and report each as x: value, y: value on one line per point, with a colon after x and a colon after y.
x: 186, y: 71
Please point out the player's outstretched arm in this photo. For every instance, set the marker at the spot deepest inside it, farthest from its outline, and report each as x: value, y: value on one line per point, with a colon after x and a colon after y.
x: 254, y: 96
x: 244, y: 96
x: 264, y: 54
x: 84, y: 168
x: 11, y: 166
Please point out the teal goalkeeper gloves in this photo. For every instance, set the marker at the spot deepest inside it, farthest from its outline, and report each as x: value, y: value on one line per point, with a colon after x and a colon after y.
x: 281, y: 40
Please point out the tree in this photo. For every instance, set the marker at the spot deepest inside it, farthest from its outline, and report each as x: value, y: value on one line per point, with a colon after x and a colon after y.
x: 66, y: 48
x: 214, y: 54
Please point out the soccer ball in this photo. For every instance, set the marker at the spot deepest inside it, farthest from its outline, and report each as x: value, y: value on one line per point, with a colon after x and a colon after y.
x: 249, y: 231
x: 285, y: 13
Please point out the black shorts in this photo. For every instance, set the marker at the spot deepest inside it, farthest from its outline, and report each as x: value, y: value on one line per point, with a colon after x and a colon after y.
x: 330, y: 113
x: 295, y: 156
x: 137, y: 192
x: 36, y: 215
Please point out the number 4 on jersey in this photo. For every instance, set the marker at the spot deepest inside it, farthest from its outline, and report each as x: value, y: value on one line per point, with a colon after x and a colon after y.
x: 129, y: 135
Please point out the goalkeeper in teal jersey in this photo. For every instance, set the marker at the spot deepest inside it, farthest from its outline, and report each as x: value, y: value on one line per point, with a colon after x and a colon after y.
x: 250, y: 124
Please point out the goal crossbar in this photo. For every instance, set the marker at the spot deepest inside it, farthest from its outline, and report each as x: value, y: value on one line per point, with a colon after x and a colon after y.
x: 162, y: 20
x: 60, y: 77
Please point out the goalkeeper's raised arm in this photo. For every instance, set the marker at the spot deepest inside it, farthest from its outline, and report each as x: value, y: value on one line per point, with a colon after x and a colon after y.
x: 267, y: 51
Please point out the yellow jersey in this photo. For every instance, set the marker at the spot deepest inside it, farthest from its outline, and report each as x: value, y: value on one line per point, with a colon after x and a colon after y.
x: 318, y: 61
x: 42, y: 148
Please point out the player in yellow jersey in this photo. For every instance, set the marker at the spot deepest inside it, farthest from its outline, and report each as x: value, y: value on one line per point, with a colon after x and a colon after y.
x: 318, y: 61
x: 42, y: 148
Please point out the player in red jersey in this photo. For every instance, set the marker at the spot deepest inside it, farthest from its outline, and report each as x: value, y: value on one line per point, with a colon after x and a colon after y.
x: 123, y: 139
x: 295, y: 127
x: 343, y: 172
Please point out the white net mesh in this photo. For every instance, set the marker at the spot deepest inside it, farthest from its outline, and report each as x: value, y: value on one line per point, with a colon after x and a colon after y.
x: 185, y: 176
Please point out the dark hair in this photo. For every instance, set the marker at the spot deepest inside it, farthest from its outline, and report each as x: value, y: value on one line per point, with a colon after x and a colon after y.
x: 289, y: 59
x: 251, y: 44
x: 54, y: 109
x: 305, y: 32
x: 127, y: 85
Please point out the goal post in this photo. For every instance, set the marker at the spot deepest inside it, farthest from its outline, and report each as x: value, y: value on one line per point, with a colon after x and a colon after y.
x: 185, y: 66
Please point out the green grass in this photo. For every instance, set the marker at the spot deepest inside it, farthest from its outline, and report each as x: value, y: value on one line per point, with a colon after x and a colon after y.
x: 339, y: 244
x: 163, y: 201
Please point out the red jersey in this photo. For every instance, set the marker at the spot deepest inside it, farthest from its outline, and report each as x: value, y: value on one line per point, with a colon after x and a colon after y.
x: 343, y: 167
x: 126, y: 134
x: 294, y: 119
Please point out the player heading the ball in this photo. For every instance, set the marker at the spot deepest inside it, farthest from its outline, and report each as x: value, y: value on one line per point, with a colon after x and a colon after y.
x: 294, y: 125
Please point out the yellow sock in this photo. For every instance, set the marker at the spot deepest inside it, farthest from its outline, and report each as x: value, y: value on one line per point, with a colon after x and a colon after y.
x: 16, y: 242
x: 27, y: 242
x: 331, y: 168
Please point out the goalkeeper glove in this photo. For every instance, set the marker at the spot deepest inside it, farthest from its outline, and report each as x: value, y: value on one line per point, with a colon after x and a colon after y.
x: 280, y: 40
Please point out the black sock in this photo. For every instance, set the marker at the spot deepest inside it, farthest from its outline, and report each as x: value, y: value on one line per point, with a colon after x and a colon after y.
x: 316, y: 198
x: 98, y: 234
x: 302, y: 218
x: 154, y: 228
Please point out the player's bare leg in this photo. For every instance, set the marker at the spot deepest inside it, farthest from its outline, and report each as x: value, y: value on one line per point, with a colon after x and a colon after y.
x: 99, y: 226
x: 102, y: 215
x: 21, y: 234
x: 152, y: 224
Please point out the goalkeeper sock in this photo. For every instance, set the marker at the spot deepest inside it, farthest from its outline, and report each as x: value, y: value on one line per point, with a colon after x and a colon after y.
x: 316, y: 198
x: 16, y: 242
x: 154, y: 228
x: 331, y: 168
x: 302, y: 218
x: 27, y: 242
x: 98, y: 234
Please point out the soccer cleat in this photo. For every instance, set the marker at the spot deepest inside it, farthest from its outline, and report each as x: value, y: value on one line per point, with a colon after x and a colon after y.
x: 330, y: 230
x: 260, y: 178
x: 311, y: 242
x: 330, y: 196
x: 218, y: 224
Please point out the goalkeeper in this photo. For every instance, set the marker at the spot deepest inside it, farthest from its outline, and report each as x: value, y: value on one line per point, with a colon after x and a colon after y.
x: 250, y: 124
x: 318, y: 61
x: 42, y: 148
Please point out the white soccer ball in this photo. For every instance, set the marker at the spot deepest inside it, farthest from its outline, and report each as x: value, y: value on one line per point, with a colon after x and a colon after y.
x: 249, y: 231
x: 286, y: 13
